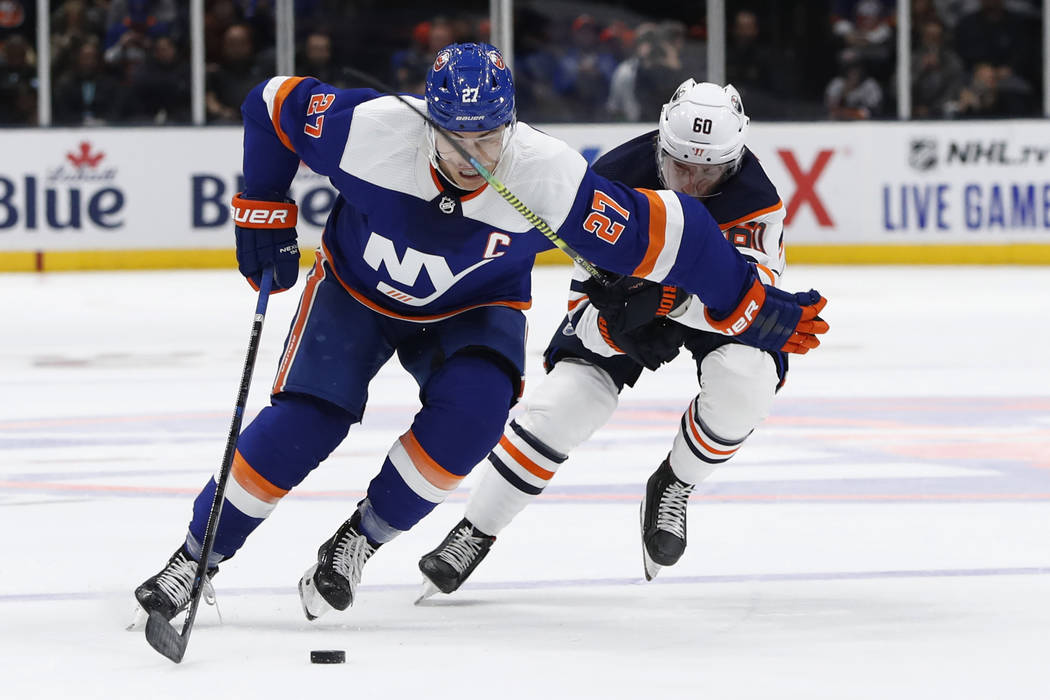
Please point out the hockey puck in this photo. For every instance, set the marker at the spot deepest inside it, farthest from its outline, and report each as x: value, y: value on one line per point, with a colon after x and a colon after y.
x: 327, y: 656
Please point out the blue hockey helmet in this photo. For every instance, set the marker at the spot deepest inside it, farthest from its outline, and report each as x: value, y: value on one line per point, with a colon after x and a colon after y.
x: 470, y: 88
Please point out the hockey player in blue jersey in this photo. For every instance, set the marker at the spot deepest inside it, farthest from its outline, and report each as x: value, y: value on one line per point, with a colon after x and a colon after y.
x: 592, y: 357
x: 420, y: 258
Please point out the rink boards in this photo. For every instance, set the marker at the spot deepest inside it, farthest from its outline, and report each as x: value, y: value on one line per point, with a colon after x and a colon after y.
x: 918, y: 192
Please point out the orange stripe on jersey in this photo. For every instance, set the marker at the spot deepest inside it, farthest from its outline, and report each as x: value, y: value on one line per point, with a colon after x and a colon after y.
x: 657, y: 232
x: 253, y: 482
x: 573, y: 303
x: 316, y: 275
x: 703, y: 443
x: 753, y: 215
x: 425, y: 464
x: 278, y: 101
x: 519, y: 457
x: 521, y: 305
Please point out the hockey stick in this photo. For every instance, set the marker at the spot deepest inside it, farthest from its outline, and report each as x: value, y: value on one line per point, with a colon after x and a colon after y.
x: 160, y: 633
x: 530, y: 216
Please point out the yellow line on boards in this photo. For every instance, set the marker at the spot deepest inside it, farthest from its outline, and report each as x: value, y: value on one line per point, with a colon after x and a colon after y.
x: 69, y: 260
x: 1004, y: 254
x: 799, y: 254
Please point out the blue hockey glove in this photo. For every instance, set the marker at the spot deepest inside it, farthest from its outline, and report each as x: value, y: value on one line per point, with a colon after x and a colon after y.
x: 265, y: 233
x: 770, y: 319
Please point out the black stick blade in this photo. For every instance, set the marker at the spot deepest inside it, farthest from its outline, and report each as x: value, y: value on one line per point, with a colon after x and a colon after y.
x: 164, y: 638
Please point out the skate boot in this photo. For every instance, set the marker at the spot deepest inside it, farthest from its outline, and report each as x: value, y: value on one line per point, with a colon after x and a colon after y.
x: 168, y: 592
x: 447, y: 567
x: 332, y: 581
x: 663, y: 519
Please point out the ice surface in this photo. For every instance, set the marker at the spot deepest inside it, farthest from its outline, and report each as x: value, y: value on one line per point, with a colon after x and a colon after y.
x: 883, y: 535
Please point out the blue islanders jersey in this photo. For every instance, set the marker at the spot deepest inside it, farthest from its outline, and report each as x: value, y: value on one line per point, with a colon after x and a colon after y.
x: 407, y: 248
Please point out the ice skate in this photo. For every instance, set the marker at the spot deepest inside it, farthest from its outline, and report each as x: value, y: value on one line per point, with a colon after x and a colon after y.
x: 332, y: 581
x: 451, y: 563
x: 168, y: 592
x: 663, y: 521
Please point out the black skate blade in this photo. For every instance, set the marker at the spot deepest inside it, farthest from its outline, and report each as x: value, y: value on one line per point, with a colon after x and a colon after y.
x: 164, y: 638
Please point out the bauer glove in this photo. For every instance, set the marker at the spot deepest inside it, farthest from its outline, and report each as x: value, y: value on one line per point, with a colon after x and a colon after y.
x: 771, y: 319
x: 266, y: 237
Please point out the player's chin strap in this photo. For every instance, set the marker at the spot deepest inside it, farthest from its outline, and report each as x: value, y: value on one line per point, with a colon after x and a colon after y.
x: 530, y: 216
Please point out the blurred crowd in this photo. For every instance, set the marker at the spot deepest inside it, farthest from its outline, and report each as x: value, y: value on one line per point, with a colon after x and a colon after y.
x: 970, y: 59
x: 127, y: 61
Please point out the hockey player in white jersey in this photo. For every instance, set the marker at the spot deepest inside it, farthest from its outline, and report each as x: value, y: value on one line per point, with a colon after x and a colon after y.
x: 609, y: 335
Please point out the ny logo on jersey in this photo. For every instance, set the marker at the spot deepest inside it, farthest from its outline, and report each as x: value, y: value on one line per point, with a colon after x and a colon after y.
x: 380, y: 251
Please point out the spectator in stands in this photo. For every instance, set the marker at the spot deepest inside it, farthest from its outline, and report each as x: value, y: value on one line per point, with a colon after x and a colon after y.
x: 641, y: 84
x: 586, y: 69
x: 219, y: 15
x: 993, y: 35
x: 537, y: 69
x: 146, y: 18
x: 923, y: 11
x: 18, y: 18
x: 868, y: 35
x: 409, y: 66
x: 316, y: 61
x: 1002, y: 39
x: 87, y: 95
x: 617, y: 38
x: 230, y: 81
x: 623, y: 102
x: 161, y: 86
x: 748, y: 61
x: 752, y: 69
x: 72, y: 24
x: 853, y: 94
x: 17, y: 82
x: 986, y: 97
x: 951, y: 11
x: 937, y: 75
x: 661, y: 68
x: 130, y: 51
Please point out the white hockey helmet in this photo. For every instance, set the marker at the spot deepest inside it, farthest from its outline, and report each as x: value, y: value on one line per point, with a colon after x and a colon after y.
x: 703, y: 124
